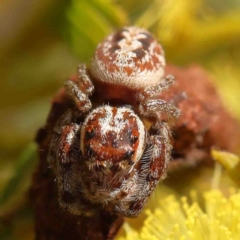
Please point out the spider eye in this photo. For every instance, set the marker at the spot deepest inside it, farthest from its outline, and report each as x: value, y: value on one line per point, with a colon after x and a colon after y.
x: 128, y: 155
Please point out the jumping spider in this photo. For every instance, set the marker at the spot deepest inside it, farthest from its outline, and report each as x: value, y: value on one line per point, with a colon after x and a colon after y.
x: 104, y: 156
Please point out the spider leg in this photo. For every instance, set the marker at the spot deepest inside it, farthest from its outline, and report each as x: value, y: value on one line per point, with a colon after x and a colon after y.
x: 149, y: 103
x: 68, y: 169
x: 152, y: 169
x: 84, y: 79
x: 154, y: 91
x: 79, y: 91
x: 66, y: 119
x: 152, y: 107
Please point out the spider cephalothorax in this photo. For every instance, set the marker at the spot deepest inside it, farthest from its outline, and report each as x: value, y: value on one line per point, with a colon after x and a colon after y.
x: 103, y: 156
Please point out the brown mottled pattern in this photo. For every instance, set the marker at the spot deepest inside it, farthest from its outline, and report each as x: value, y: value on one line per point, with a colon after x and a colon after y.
x: 146, y: 57
x: 111, y: 146
x: 111, y: 45
x: 64, y: 146
x: 157, y: 166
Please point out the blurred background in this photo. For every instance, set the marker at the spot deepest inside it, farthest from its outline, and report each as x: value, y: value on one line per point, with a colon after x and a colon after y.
x: 41, y: 44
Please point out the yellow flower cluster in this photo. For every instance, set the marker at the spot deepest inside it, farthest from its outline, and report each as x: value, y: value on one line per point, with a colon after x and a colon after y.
x: 179, y: 220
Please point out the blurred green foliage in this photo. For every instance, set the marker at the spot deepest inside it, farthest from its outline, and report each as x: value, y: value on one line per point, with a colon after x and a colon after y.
x: 41, y: 44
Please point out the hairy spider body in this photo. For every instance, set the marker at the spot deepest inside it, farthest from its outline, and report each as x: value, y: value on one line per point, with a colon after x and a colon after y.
x: 117, y: 163
x: 103, y: 156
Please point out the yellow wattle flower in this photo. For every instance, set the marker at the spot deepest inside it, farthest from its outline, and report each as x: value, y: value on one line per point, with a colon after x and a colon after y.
x: 179, y: 220
x: 230, y: 162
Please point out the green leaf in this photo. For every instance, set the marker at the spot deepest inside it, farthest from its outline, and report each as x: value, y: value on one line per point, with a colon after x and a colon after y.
x: 24, y: 164
x: 90, y: 21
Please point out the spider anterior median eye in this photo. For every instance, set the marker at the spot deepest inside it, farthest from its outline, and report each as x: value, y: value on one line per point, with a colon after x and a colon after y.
x: 89, y: 135
x: 134, y: 139
x: 128, y: 155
